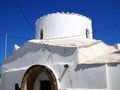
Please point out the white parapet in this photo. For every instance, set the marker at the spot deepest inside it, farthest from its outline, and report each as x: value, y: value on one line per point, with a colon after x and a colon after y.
x: 59, y: 25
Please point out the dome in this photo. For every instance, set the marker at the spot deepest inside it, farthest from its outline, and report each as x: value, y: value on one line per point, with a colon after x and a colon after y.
x: 60, y: 25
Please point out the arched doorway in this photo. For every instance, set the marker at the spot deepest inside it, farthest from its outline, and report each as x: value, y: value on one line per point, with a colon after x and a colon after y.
x: 33, y: 75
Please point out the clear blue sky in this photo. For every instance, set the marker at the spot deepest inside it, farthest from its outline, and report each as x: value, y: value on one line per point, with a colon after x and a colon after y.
x: 105, y: 15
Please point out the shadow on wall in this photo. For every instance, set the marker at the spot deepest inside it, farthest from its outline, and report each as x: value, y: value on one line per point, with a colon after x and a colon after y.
x: 117, y: 52
x: 37, y: 47
x: 26, y: 48
x: 113, y: 64
x: 62, y: 74
x: 86, y: 66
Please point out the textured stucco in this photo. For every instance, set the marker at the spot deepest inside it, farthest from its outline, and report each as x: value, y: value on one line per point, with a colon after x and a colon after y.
x: 75, y: 77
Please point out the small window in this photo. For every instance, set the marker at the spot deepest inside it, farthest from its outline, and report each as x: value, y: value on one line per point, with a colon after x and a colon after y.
x: 87, y: 33
x: 41, y: 34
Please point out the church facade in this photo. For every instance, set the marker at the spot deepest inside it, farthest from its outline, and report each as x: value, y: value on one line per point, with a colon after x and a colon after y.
x: 64, y: 56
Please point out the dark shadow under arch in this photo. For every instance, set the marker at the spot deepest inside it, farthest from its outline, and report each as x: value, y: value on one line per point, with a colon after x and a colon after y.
x: 31, y: 75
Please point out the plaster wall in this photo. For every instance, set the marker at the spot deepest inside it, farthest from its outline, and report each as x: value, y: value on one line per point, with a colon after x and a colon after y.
x: 91, y: 52
x: 9, y: 79
x: 80, y: 77
x: 84, y: 77
x: 56, y: 58
x: 76, y: 76
x: 39, y: 55
x: 113, y: 71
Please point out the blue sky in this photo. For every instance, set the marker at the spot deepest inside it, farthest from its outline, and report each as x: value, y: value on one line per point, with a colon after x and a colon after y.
x: 105, y: 16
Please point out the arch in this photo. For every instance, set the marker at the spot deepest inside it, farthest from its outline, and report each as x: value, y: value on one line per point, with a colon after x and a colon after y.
x: 33, y: 72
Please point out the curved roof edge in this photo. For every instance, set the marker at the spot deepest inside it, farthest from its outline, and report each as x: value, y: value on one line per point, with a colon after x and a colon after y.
x: 66, y: 13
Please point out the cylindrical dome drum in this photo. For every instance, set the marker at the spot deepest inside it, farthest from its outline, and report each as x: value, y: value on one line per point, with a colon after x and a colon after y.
x: 60, y: 25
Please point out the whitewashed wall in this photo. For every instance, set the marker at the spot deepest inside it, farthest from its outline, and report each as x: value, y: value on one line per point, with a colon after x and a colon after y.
x: 113, y: 76
x: 75, y: 77
x: 59, y: 25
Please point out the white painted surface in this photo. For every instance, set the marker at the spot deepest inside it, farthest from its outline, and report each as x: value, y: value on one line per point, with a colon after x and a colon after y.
x: 68, y: 42
x: 98, y: 53
x: 90, y: 77
x: 55, y: 57
x: 58, y: 25
x: 113, y: 76
x: 16, y: 47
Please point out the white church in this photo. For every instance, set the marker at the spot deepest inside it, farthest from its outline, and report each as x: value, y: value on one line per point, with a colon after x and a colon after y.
x: 64, y: 56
